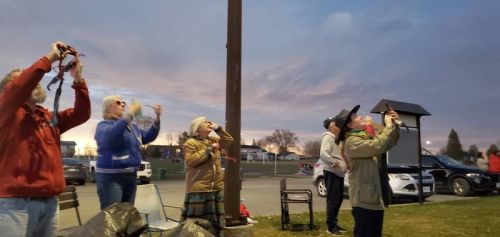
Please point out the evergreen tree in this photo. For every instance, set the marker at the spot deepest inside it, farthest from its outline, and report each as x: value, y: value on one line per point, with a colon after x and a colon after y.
x: 473, y: 150
x: 454, y: 147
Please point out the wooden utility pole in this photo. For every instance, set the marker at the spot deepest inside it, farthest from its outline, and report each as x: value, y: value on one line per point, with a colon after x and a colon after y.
x: 232, y: 179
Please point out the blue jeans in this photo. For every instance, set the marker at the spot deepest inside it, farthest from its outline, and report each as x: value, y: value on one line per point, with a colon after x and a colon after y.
x: 114, y: 188
x: 28, y: 216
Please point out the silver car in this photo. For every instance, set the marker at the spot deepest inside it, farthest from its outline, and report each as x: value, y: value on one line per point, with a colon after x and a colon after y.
x: 403, y: 181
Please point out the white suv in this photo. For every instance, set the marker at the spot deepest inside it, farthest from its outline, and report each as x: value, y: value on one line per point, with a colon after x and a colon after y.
x: 143, y: 174
x: 402, y: 179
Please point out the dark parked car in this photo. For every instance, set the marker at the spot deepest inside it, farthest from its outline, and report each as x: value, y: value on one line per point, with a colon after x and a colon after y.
x: 74, y: 171
x: 452, y: 176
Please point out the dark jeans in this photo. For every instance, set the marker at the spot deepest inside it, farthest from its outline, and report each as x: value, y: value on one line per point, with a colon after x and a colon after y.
x: 367, y: 223
x: 114, y: 188
x: 334, y: 197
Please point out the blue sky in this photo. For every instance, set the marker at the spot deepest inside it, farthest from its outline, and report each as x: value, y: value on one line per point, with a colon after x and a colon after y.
x: 302, y: 60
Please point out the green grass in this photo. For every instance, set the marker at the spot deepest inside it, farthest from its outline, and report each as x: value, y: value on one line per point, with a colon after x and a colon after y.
x: 174, y: 170
x: 476, y: 217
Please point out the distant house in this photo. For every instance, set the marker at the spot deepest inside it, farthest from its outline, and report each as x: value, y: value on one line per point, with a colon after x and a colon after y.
x: 68, y: 149
x: 253, y: 152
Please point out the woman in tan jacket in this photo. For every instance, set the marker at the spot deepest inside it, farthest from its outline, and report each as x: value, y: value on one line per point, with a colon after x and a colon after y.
x: 204, y: 176
x: 363, y: 152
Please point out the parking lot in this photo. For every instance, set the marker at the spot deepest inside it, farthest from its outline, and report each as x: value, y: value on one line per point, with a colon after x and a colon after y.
x: 261, y: 197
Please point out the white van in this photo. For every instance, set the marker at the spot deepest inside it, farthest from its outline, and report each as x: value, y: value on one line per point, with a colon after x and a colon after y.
x: 143, y: 174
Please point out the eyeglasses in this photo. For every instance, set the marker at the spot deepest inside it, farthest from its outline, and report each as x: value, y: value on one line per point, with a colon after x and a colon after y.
x: 119, y: 102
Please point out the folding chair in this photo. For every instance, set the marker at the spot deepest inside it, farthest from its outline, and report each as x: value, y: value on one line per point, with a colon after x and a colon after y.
x: 294, y: 196
x: 149, y: 203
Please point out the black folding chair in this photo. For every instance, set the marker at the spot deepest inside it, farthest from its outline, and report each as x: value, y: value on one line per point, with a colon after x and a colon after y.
x: 294, y: 196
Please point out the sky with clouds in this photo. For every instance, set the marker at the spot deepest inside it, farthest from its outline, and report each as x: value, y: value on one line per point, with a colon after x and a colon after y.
x: 302, y: 61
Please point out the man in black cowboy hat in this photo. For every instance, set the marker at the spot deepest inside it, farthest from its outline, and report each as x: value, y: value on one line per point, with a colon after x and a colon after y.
x: 334, y: 170
x: 362, y: 151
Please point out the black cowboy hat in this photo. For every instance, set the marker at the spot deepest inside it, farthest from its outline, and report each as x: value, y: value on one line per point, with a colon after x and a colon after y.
x: 342, y: 119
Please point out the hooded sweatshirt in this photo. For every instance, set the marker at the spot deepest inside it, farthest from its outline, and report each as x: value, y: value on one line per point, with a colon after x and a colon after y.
x: 330, y: 155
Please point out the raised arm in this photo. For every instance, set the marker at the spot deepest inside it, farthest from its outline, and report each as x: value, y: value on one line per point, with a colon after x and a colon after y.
x: 18, y: 91
x: 153, y: 131
x: 80, y: 113
x: 225, y: 138
x: 151, y: 134
x: 359, y: 147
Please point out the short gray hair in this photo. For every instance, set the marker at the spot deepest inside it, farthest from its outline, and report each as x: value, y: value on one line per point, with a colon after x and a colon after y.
x: 195, y: 124
x: 106, y: 104
x: 8, y: 78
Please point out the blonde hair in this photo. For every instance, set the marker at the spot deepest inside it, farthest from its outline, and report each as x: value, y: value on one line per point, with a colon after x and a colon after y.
x: 8, y: 78
x: 195, y: 124
x: 106, y: 104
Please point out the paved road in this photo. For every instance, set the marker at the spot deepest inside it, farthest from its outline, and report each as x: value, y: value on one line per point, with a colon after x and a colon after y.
x: 261, y: 197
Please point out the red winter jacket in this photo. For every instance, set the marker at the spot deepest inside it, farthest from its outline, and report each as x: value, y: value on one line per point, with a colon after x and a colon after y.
x: 494, y: 161
x: 30, y: 154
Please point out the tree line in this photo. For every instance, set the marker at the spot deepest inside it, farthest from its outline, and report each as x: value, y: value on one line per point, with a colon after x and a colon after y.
x: 454, y: 149
x: 282, y: 140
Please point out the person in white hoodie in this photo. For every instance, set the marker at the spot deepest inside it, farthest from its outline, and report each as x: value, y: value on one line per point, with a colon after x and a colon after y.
x: 334, y: 169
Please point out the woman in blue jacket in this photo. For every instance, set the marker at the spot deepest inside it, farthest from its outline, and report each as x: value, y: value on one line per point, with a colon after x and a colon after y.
x: 118, y: 146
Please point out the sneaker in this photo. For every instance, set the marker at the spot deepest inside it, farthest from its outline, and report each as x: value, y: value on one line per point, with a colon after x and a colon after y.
x: 340, y: 229
x: 334, y: 231
x: 251, y: 221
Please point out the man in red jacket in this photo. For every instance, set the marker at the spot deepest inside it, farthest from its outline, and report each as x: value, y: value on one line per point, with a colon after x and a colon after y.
x: 31, y: 169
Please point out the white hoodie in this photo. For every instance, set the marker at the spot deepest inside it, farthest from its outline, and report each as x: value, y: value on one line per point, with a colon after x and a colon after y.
x: 330, y: 155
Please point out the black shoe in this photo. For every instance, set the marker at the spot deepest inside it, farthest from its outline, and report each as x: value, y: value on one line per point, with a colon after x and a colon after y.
x: 334, y: 231
x: 340, y: 229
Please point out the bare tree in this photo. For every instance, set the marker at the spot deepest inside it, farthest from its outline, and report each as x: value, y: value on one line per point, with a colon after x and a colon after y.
x: 311, y: 148
x: 261, y: 142
x: 264, y: 144
x: 283, y: 139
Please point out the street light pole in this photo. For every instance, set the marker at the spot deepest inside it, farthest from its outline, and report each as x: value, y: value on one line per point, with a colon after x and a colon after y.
x: 232, y: 179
